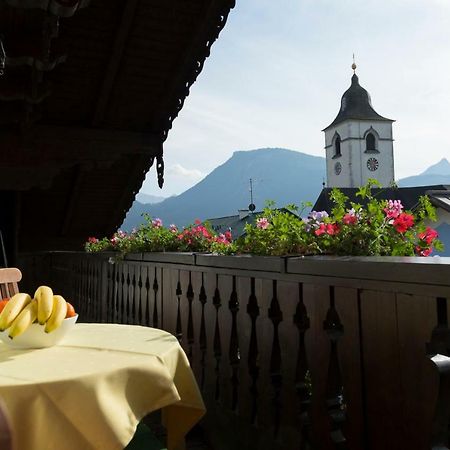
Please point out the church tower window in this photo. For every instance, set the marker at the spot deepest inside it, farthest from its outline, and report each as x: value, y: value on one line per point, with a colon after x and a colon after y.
x: 370, y: 142
x: 337, y: 146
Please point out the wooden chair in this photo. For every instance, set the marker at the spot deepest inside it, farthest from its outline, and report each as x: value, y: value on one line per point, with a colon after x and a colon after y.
x: 8, y: 281
x: 8, y: 287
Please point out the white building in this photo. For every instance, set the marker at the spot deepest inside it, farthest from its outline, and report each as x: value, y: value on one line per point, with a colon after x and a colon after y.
x: 359, y: 142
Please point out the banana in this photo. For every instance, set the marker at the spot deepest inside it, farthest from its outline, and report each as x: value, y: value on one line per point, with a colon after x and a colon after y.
x: 58, y: 314
x: 44, y: 298
x: 27, y: 316
x: 13, y: 309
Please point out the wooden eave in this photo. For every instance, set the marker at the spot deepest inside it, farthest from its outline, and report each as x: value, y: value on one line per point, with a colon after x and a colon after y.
x: 100, y: 105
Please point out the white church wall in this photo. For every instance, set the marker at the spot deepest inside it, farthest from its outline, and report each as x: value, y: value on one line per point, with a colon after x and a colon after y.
x: 354, y: 158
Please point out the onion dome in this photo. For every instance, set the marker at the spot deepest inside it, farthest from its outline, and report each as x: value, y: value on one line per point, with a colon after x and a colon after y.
x: 356, y: 105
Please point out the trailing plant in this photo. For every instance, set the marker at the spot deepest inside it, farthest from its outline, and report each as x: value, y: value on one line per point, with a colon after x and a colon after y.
x: 369, y: 227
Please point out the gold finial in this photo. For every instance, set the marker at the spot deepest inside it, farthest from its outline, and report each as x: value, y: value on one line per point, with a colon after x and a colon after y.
x: 354, y: 65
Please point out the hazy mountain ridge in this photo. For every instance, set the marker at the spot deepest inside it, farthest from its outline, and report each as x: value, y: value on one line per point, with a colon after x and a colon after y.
x: 436, y: 174
x: 282, y: 175
x: 278, y: 174
x: 149, y: 199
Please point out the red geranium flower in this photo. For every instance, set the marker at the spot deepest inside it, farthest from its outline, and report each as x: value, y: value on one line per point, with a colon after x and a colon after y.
x: 423, y: 251
x: 321, y: 230
x: 329, y: 228
x: 403, y: 222
x: 429, y: 235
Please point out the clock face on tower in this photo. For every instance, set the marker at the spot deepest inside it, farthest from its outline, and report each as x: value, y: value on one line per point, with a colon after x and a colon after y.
x: 372, y: 164
x: 337, y: 168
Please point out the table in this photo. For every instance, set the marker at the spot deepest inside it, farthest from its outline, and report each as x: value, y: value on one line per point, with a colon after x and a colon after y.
x: 89, y: 392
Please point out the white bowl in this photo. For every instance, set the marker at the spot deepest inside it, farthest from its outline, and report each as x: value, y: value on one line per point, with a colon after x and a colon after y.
x: 36, y: 337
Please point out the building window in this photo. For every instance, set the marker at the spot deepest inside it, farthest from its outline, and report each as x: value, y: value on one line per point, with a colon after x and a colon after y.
x: 337, y: 146
x: 370, y: 142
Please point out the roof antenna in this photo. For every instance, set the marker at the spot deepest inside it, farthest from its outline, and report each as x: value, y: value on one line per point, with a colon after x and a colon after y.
x: 354, y: 64
x: 252, y: 206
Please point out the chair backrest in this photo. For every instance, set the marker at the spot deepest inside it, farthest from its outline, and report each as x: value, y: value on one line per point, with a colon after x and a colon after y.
x: 8, y: 281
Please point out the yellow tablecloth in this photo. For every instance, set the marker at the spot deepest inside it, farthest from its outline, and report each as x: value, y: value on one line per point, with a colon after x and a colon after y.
x: 90, y: 391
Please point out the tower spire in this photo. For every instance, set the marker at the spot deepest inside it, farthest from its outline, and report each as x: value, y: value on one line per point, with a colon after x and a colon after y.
x: 354, y: 64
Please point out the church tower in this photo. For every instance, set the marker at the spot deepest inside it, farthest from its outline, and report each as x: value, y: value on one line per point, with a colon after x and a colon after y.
x: 358, y: 143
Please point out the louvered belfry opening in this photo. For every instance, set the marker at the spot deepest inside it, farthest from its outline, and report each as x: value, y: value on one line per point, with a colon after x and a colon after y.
x: 88, y: 94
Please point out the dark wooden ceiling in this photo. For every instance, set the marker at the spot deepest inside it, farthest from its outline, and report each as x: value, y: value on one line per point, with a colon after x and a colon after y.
x: 89, y: 93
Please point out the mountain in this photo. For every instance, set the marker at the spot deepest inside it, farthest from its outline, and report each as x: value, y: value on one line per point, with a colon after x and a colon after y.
x: 278, y: 174
x: 436, y: 174
x: 148, y: 199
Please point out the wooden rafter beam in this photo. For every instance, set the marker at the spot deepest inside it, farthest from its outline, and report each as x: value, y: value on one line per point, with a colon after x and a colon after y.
x: 133, y: 140
x: 115, y: 59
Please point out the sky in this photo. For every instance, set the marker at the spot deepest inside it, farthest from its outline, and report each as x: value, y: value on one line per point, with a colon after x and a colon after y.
x: 279, y: 68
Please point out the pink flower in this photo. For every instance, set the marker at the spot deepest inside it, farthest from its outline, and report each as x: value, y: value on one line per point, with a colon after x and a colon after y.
x: 221, y: 239
x: 328, y: 228
x: 393, y: 209
x: 157, y: 223
x: 121, y: 234
x: 403, y: 222
x: 173, y: 228
x: 92, y: 240
x: 350, y: 218
x: 197, y: 221
x: 429, y: 235
x: 321, y: 230
x: 262, y: 223
x: 228, y: 236
x: 332, y: 228
x: 114, y: 240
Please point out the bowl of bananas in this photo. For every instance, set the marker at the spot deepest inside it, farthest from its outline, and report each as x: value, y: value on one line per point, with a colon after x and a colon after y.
x: 38, y: 322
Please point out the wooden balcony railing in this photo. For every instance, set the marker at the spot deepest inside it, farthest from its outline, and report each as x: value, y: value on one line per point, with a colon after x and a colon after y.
x: 290, y: 353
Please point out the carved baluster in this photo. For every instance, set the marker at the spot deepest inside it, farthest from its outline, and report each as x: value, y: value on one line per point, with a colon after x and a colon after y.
x: 108, y: 293
x: 139, y: 296
x: 123, y: 297
x: 82, y: 291
x: 128, y: 297
x: 79, y: 290
x: 99, y: 291
x: 133, y: 295
x: 91, y: 292
x: 112, y: 290
x: 86, y: 291
x: 234, y: 351
x: 155, y: 300
x: 276, y: 316
x: 95, y: 297
x: 178, y: 329
x: 302, y: 374
x: 202, y: 338
x: 217, y: 341
x: 89, y: 271
x: 147, y: 298
x: 438, y: 350
x: 253, y: 367
x: 335, y: 390
x: 190, y: 324
x: 117, y: 291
